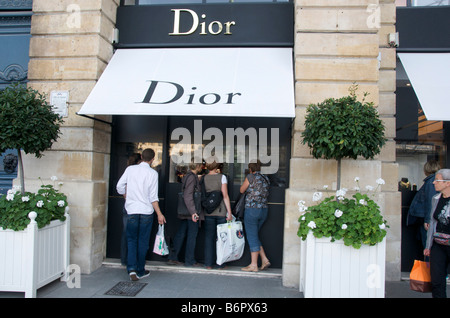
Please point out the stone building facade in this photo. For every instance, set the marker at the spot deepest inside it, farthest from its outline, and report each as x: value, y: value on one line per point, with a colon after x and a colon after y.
x: 337, y: 43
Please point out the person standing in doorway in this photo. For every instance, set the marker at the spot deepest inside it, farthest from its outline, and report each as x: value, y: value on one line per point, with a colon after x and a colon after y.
x: 134, y: 159
x: 438, y: 236
x: 419, y: 210
x: 215, y: 181
x: 188, y: 225
x: 140, y: 184
x: 255, y: 214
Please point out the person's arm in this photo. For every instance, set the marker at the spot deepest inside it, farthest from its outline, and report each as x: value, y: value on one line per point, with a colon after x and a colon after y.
x: 226, y: 200
x: 188, y: 193
x: 161, y: 218
x: 121, y: 186
x: 153, y: 196
x: 244, y: 185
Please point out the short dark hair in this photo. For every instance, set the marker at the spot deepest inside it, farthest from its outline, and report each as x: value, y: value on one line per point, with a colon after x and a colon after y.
x: 212, y: 163
x: 148, y: 154
x: 255, y: 166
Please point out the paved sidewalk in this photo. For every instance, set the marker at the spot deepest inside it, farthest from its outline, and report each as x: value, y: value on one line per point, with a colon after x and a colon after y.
x: 167, y: 281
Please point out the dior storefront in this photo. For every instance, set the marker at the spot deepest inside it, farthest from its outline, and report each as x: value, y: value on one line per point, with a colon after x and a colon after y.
x: 233, y: 78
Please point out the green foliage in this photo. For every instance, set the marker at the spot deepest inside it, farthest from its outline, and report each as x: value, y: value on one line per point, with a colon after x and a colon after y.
x: 48, y: 203
x: 343, y: 128
x: 27, y: 121
x: 356, y: 221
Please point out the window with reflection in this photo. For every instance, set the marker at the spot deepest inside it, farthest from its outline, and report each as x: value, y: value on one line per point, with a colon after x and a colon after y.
x: 235, y: 142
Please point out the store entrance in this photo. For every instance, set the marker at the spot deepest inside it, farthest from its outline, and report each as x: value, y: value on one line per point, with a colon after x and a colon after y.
x: 233, y: 139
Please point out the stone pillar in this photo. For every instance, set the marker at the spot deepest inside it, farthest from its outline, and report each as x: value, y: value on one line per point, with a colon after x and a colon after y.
x: 338, y: 43
x: 70, y: 47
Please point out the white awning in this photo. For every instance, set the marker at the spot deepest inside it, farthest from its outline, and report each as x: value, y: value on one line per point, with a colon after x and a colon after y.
x: 250, y: 82
x: 429, y: 74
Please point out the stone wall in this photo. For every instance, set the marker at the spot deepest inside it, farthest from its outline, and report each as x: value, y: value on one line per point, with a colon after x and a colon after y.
x: 71, y: 45
x: 338, y: 43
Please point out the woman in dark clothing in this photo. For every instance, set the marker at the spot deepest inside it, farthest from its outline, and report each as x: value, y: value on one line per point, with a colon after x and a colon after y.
x: 438, y: 236
x: 189, y: 225
x: 419, y: 211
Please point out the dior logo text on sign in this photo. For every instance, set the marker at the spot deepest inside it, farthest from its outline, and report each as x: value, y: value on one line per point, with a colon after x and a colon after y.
x: 192, y: 99
x: 214, y: 27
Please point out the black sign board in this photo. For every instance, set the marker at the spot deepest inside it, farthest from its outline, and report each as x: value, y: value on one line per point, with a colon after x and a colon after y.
x: 206, y: 25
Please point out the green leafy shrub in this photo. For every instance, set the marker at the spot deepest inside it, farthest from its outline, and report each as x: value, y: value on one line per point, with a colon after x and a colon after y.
x: 343, y: 128
x: 48, y: 203
x: 356, y: 220
x: 27, y: 122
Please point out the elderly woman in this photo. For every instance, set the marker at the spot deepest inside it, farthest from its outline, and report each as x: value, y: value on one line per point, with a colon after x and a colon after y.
x: 438, y: 236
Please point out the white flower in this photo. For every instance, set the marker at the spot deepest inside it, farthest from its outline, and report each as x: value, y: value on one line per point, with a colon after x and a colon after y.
x: 61, y: 203
x: 317, y: 196
x: 60, y: 183
x: 325, y: 187
x: 380, y: 181
x: 40, y: 204
x: 382, y: 226
x: 340, y: 194
x: 356, y: 179
x: 344, y: 226
x: 54, y: 178
x: 9, y: 196
x: 363, y: 202
x: 25, y: 198
x: 312, y: 224
x: 301, y: 206
x: 303, y: 218
x: 369, y: 187
x: 338, y: 213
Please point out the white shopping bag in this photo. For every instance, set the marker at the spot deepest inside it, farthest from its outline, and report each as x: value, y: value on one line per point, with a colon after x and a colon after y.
x: 160, y: 246
x: 230, y: 242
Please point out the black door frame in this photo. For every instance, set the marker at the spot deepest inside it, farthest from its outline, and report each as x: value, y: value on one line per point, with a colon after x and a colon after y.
x: 271, y: 240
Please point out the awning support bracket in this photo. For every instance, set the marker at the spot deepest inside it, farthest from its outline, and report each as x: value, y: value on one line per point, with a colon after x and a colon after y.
x: 97, y: 119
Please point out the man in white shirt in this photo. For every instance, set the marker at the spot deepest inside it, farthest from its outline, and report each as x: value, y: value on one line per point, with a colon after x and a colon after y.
x: 139, y: 185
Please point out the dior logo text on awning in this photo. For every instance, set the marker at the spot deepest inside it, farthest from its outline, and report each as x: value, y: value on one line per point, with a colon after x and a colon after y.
x: 160, y: 92
x: 214, y: 27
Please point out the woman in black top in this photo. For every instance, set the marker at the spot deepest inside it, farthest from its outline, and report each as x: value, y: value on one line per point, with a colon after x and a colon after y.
x: 438, y: 236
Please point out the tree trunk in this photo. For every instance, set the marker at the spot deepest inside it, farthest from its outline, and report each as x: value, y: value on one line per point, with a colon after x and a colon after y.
x: 22, y: 179
x: 338, y: 185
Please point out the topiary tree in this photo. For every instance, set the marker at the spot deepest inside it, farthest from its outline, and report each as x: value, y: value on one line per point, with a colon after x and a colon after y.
x: 27, y: 122
x: 343, y: 128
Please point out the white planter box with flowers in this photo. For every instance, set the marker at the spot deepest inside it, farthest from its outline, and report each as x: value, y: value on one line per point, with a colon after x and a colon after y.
x: 343, y: 247
x: 35, y: 254
x: 334, y: 270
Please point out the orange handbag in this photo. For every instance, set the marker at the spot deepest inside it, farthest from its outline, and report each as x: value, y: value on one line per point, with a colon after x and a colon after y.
x: 419, y: 278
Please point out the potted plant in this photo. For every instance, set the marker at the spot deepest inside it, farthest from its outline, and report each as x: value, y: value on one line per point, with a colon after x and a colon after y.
x: 355, y: 220
x: 339, y: 231
x: 343, y: 128
x: 34, y: 227
x: 27, y: 123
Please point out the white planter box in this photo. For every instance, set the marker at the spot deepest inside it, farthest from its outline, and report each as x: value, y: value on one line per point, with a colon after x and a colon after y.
x: 32, y: 258
x: 333, y: 270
